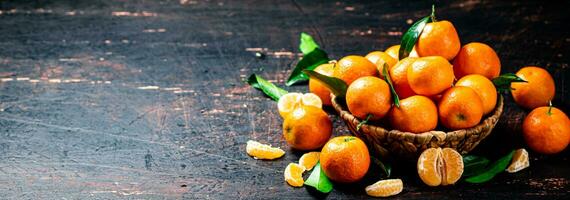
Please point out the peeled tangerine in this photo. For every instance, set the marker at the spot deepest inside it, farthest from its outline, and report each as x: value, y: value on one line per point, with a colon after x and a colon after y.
x: 438, y: 166
x: 385, y: 188
x: 294, y: 174
x: 263, y: 151
x: 309, y: 160
x: 520, y: 161
x: 287, y: 103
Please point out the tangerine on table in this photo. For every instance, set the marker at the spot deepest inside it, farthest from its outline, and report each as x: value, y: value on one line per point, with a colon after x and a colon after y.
x: 385, y: 188
x: 307, y: 128
x: 309, y: 160
x: 484, y: 88
x: 537, y: 91
x: 416, y: 114
x: 294, y: 174
x: 399, y: 77
x: 477, y: 58
x: 379, y: 58
x: 320, y: 89
x: 353, y: 67
x: 438, y: 39
x: 345, y: 159
x: 430, y: 75
x: 438, y: 166
x: 546, y: 130
x: 368, y: 95
x: 460, y: 107
x: 263, y: 151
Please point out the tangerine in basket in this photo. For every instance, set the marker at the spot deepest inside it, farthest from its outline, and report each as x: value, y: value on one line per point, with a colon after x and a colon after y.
x: 546, y: 130
x: 484, y: 88
x: 438, y: 166
x: 353, y: 67
x: 416, y: 114
x: 318, y: 88
x: 430, y: 75
x: 379, y: 58
x: 537, y: 91
x: 438, y: 39
x: 460, y: 107
x: 369, y: 96
x: 477, y: 58
x: 307, y: 128
x: 393, y: 51
x: 345, y: 159
x: 399, y: 77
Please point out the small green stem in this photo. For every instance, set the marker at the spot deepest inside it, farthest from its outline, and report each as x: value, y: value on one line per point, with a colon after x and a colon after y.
x: 363, y: 122
x: 549, y: 108
x: 432, y: 16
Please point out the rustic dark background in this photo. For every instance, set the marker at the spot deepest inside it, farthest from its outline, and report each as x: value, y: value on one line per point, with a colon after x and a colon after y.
x: 145, y: 99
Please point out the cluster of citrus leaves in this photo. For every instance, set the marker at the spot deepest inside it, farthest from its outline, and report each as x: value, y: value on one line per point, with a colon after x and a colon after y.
x: 478, y: 170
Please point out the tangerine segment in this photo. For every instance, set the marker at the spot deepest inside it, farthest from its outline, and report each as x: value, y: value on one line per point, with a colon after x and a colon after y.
x: 520, y: 161
x: 429, y: 165
x: 309, y: 160
x: 288, y: 103
x: 440, y: 167
x: 385, y: 188
x: 294, y: 174
x: 453, y: 166
x: 263, y: 151
x: 310, y: 99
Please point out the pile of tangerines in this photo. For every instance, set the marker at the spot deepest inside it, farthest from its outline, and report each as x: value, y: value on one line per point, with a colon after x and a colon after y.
x: 440, y: 83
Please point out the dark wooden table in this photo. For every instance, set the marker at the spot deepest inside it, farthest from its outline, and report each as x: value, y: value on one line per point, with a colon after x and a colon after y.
x: 145, y: 99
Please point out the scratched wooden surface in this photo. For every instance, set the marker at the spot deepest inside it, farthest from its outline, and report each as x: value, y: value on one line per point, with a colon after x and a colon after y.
x: 146, y: 100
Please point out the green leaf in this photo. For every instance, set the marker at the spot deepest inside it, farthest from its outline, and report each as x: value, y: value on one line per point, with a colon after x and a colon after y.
x: 319, y: 180
x: 503, y: 82
x: 307, y: 44
x: 474, y: 165
x: 385, y: 167
x: 337, y: 86
x: 266, y: 87
x: 308, y: 62
x: 411, y: 37
x: 389, y: 81
x: 494, y: 169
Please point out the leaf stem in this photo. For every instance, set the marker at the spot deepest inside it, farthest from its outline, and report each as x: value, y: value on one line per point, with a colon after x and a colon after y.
x: 549, y: 113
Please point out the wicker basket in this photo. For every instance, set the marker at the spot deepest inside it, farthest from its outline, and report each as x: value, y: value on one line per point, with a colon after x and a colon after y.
x: 409, y: 146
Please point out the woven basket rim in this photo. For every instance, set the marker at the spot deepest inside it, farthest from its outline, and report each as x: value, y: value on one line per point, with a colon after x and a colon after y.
x: 489, y: 119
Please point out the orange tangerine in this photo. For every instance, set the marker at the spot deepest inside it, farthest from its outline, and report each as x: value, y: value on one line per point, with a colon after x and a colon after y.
x: 369, y: 95
x: 345, y: 159
x: 438, y: 166
x: 353, y: 67
x: 430, y: 75
x: 538, y: 91
x: 290, y: 101
x: 438, y: 39
x: 399, y: 77
x: 416, y: 114
x: 477, y: 58
x: 460, y: 107
x: 484, y: 88
x: 318, y: 88
x: 546, y: 130
x: 307, y: 128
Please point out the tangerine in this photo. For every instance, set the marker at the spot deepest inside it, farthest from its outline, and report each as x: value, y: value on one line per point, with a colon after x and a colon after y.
x: 345, y: 159
x: 484, y: 88
x: 290, y: 101
x: 379, y: 58
x: 537, y: 91
x: 353, y: 67
x: 430, y: 75
x: 460, y: 107
x: 307, y: 128
x: 318, y: 88
x: 368, y: 95
x: 399, y: 77
x: 438, y: 166
x: 416, y: 114
x: 438, y: 39
x: 546, y: 130
x: 477, y: 58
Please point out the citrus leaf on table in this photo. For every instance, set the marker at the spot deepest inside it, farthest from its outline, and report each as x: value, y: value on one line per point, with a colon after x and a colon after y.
x: 474, y: 165
x: 266, y: 87
x: 503, y: 82
x: 389, y: 81
x: 385, y: 167
x: 307, y: 44
x: 337, y: 86
x: 319, y: 180
x: 309, y: 62
x: 493, y: 169
x: 411, y: 37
